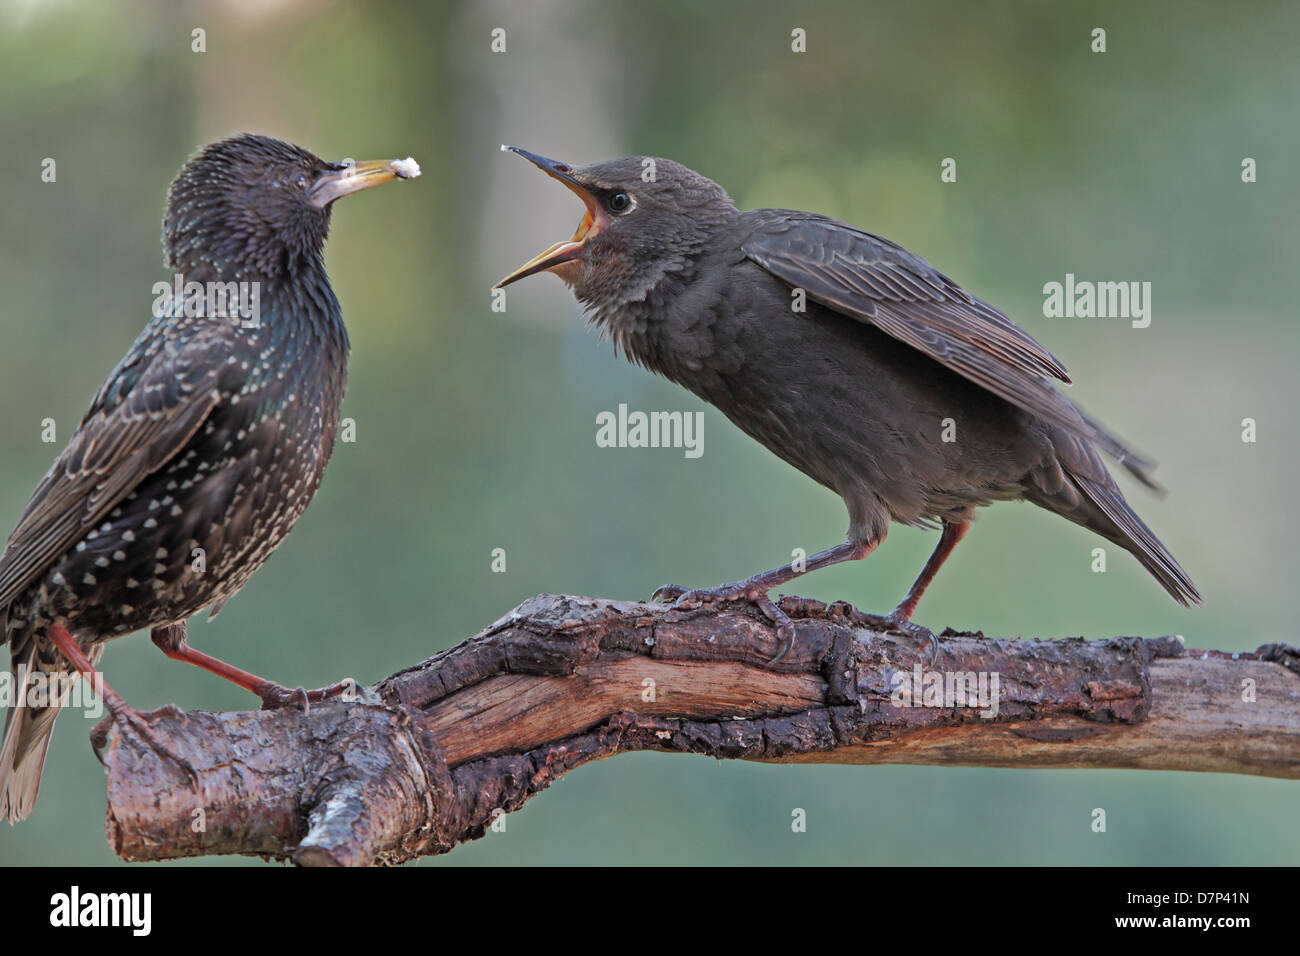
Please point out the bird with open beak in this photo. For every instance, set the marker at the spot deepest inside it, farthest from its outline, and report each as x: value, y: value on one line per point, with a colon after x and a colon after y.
x: 847, y: 356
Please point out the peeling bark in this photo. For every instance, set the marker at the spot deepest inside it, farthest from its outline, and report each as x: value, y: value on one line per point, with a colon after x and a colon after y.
x: 426, y: 758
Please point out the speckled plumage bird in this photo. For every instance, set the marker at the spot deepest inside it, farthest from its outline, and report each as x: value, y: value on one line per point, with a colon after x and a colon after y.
x: 203, y: 447
x: 849, y: 357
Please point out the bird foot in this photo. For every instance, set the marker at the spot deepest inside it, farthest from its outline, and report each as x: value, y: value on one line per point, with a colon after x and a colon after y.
x: 277, y: 697
x: 688, y: 599
x: 136, y: 726
x: 896, y: 622
x: 669, y: 593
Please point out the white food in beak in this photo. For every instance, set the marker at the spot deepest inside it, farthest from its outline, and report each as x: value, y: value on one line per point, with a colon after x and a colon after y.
x: 406, y: 168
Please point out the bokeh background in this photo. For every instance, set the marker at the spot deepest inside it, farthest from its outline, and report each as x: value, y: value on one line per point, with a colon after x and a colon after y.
x: 475, y: 429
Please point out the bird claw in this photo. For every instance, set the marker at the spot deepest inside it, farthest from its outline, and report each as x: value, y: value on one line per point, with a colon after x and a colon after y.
x: 670, y: 593
x: 896, y: 622
x: 166, y: 710
x: 134, y: 725
x: 786, y: 634
x: 276, y: 697
x: 688, y: 599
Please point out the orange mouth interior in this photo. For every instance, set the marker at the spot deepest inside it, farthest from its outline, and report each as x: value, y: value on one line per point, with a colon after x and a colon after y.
x: 584, y: 227
x: 562, y: 252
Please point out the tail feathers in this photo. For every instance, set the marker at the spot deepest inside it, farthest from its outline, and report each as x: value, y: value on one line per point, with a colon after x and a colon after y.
x: 26, y: 741
x: 1112, y: 518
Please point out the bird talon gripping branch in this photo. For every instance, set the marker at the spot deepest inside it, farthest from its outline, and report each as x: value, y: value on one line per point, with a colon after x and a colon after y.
x: 722, y: 594
x: 132, y: 724
x: 276, y: 697
x: 668, y: 593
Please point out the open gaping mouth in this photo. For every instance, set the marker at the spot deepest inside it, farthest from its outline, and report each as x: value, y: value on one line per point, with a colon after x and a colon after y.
x: 567, y: 251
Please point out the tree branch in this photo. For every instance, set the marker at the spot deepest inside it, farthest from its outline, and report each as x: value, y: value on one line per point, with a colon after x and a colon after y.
x: 427, y: 758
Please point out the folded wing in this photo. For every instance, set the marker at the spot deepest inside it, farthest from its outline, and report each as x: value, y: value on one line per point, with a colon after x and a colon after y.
x: 873, y: 280
x: 147, y: 411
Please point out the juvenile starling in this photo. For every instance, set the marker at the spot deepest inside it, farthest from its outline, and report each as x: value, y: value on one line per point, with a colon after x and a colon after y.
x: 200, y: 451
x: 845, y: 355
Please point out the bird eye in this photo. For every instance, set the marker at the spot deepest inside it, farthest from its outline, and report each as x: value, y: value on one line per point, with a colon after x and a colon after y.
x: 301, y: 181
x: 619, y: 202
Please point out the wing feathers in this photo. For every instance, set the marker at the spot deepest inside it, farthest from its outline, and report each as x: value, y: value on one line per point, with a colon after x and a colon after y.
x: 148, y: 411
x: 878, y: 282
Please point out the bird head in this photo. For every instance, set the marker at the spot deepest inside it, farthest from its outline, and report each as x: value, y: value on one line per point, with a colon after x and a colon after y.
x: 255, y: 205
x: 645, y: 220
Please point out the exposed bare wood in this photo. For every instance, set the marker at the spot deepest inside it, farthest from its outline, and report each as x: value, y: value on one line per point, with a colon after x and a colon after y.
x: 425, y: 759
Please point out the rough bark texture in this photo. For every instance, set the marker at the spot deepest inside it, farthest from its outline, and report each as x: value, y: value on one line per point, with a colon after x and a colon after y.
x: 425, y: 759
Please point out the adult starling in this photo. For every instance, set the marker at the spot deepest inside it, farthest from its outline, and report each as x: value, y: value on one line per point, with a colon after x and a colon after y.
x: 845, y: 355
x: 200, y: 451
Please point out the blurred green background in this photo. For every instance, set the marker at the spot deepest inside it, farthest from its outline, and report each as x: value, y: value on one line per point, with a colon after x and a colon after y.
x: 475, y: 429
